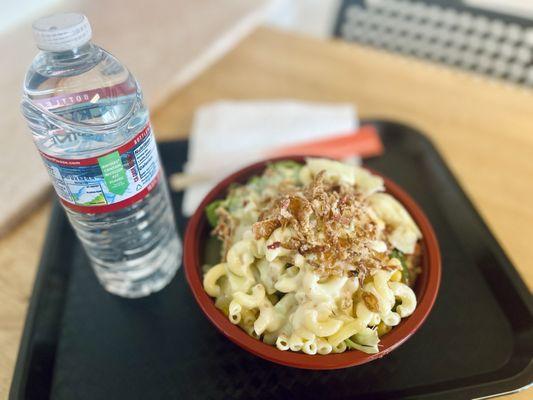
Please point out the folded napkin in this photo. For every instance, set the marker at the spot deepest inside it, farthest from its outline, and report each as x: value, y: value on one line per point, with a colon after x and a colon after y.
x: 228, y: 135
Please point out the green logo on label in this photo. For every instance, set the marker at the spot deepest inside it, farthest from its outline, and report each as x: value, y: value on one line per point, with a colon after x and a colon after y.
x: 114, y: 173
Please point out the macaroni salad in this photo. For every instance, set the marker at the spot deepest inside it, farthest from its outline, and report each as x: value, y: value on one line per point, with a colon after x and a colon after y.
x: 315, y: 257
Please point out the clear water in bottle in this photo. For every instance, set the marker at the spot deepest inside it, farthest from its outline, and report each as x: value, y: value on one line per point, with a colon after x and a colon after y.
x: 89, y: 123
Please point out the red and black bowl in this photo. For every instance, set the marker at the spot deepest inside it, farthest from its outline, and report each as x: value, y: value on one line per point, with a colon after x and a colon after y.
x: 426, y: 287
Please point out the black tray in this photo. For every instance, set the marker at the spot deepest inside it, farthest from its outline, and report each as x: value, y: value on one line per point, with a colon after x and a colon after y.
x: 81, y: 343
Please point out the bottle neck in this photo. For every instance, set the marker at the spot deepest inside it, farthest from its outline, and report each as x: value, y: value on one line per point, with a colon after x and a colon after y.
x: 74, y: 54
x: 68, y: 62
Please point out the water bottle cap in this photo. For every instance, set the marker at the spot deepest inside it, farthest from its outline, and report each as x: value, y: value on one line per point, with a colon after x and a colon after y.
x: 60, y: 32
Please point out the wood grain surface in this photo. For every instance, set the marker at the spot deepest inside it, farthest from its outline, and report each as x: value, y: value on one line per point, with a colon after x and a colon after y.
x: 483, y: 128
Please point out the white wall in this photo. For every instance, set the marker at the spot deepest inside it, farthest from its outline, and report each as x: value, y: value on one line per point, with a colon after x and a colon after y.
x: 312, y: 17
x: 521, y: 8
x: 15, y: 12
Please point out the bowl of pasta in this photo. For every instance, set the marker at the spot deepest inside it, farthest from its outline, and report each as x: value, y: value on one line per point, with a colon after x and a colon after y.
x: 312, y: 263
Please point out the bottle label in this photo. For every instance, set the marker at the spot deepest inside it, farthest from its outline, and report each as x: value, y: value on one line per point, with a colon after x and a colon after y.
x: 109, y: 182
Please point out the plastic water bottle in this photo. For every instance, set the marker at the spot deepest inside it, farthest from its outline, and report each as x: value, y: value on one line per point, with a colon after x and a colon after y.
x: 89, y: 123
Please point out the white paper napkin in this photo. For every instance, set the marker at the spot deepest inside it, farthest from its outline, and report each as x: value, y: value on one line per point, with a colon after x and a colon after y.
x: 228, y: 135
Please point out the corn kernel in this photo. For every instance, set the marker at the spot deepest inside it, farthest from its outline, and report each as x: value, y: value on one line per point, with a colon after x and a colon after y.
x: 383, y: 329
x: 396, y: 276
x: 395, y: 263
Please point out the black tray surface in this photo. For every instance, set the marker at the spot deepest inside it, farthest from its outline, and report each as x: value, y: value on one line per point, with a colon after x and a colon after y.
x: 83, y: 343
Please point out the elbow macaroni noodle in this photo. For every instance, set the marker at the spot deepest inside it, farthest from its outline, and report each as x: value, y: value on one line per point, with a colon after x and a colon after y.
x: 274, y: 294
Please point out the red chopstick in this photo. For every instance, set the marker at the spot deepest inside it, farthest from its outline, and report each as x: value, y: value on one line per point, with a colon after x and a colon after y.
x: 364, y: 142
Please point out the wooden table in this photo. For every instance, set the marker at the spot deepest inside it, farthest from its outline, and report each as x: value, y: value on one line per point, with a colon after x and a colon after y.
x: 483, y: 128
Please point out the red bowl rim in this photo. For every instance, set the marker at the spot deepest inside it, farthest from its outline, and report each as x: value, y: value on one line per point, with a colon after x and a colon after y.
x: 427, y: 285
